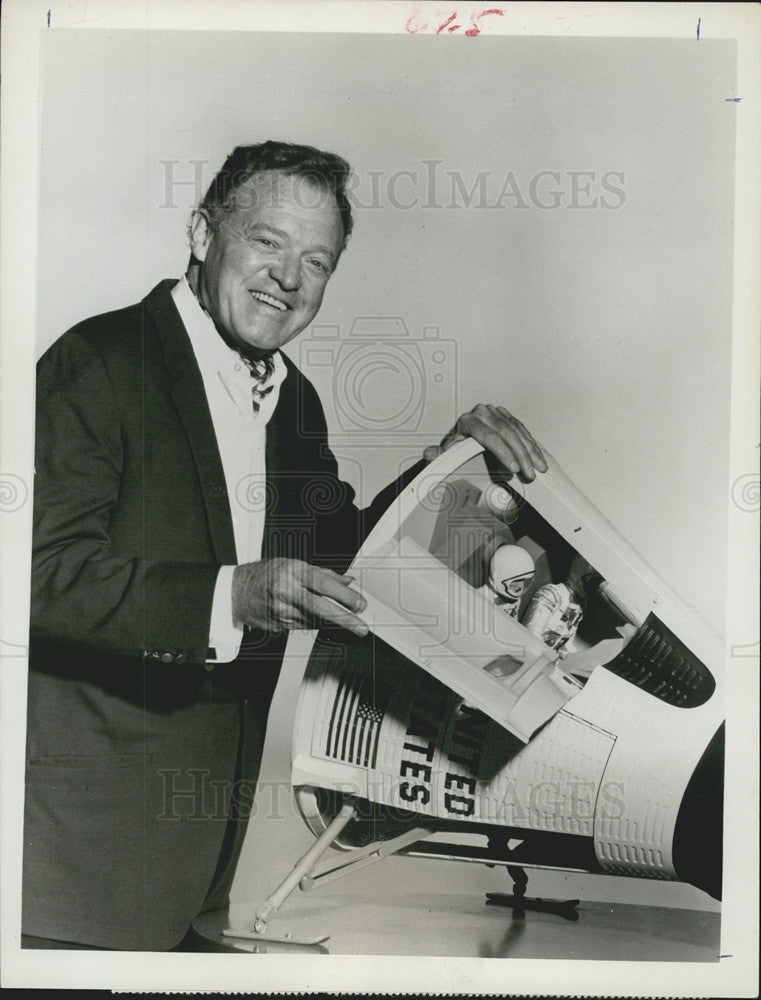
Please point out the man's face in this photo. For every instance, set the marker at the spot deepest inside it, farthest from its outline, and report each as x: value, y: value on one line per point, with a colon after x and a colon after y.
x: 264, y: 271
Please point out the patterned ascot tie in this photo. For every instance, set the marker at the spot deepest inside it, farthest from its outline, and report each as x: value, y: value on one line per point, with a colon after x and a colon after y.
x: 261, y: 372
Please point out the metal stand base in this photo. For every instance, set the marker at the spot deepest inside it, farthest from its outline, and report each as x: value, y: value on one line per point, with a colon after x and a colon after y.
x: 248, y: 935
x: 519, y: 904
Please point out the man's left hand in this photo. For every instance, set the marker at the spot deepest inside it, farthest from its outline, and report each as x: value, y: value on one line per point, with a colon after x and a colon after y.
x: 500, y: 433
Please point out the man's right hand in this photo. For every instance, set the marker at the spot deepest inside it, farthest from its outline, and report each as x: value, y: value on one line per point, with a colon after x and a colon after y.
x: 281, y: 594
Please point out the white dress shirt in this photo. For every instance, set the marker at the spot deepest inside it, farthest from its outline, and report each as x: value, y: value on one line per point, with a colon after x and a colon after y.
x: 241, y: 435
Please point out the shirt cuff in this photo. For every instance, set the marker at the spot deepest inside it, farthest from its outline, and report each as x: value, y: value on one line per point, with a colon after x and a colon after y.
x: 225, y: 635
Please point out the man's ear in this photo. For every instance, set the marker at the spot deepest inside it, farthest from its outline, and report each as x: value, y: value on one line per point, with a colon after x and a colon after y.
x: 200, y: 234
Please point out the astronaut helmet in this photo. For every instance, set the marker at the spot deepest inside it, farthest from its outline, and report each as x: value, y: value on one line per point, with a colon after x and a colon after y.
x: 511, y: 571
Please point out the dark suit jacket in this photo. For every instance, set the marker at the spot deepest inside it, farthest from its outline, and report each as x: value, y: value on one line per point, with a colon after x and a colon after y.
x: 141, y: 761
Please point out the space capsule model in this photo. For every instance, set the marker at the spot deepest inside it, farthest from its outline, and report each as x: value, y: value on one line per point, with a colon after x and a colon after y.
x: 457, y: 731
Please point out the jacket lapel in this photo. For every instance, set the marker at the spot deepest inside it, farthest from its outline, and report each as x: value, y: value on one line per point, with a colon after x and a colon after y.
x: 193, y: 410
x: 290, y: 525
x: 279, y: 459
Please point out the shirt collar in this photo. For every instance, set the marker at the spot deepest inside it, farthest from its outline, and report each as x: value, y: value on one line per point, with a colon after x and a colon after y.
x: 211, y: 352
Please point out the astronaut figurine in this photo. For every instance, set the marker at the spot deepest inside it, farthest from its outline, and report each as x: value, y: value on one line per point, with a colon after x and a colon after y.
x: 511, y: 570
x: 554, y: 615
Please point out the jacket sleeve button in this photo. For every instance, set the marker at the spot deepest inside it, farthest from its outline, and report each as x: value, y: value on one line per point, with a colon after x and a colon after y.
x: 180, y: 658
x: 166, y: 658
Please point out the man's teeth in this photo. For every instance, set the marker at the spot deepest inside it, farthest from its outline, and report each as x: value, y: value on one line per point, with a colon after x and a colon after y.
x: 268, y: 300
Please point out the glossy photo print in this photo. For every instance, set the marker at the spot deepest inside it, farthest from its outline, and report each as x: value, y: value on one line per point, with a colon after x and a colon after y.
x: 379, y: 498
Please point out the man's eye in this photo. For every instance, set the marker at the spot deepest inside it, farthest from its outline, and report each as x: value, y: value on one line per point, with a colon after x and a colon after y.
x: 263, y: 241
x: 320, y: 265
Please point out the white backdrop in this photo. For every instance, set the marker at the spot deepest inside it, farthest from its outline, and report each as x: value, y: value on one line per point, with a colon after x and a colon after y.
x: 606, y: 329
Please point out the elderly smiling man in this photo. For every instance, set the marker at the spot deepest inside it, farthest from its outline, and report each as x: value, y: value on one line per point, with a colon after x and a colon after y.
x: 161, y: 600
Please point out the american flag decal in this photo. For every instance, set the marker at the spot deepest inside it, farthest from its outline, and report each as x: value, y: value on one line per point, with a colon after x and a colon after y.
x: 355, y: 720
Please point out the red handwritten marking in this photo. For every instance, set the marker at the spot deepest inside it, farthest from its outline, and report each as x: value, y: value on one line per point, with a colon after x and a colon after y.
x: 415, y: 24
x: 447, y: 22
x: 477, y: 17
